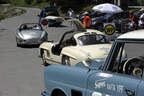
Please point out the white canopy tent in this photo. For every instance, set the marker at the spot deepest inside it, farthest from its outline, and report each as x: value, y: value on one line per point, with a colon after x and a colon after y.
x: 107, y: 8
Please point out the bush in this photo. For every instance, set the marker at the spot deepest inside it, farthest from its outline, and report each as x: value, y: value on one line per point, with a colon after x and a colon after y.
x: 28, y: 1
x: 2, y: 16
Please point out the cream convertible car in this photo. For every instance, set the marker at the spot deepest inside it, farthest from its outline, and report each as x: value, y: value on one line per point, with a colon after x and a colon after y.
x: 75, y: 47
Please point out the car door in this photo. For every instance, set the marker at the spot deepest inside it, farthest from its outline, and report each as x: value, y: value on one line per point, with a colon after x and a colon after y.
x: 112, y: 84
x: 101, y: 84
x: 56, y: 55
x: 141, y: 87
x: 126, y: 85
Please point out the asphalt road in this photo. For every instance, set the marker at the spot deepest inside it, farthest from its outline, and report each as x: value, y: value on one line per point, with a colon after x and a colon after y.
x: 21, y: 72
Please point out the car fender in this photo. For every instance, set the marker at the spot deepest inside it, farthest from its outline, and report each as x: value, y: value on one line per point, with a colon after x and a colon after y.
x: 74, y: 53
x: 59, y: 88
x: 59, y: 76
x: 46, y: 45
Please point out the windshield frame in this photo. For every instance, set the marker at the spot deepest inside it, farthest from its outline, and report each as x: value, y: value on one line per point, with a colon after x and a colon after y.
x: 85, y: 43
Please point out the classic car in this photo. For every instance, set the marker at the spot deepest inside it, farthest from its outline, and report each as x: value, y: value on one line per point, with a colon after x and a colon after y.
x: 67, y: 51
x: 116, y: 76
x: 117, y: 18
x: 50, y: 16
x: 30, y: 34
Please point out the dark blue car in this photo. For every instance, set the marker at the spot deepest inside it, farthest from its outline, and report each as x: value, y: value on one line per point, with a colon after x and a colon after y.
x: 50, y: 16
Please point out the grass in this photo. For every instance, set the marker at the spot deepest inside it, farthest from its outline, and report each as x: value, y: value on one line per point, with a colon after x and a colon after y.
x: 9, y: 12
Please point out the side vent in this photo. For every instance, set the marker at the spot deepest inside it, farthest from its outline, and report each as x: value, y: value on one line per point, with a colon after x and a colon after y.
x: 76, y: 93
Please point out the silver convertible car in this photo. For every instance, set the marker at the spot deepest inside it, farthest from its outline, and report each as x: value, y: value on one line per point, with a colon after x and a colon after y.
x: 30, y: 34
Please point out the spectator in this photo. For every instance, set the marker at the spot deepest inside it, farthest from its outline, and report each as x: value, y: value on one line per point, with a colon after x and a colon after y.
x: 87, y: 21
x: 71, y: 13
x: 141, y: 20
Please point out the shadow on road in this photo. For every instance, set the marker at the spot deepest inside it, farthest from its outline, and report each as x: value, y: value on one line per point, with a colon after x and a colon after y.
x: 29, y: 46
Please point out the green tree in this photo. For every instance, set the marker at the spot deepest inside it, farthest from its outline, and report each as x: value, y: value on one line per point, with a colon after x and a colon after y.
x: 4, y: 1
x: 28, y: 1
x: 141, y: 2
x: 76, y: 5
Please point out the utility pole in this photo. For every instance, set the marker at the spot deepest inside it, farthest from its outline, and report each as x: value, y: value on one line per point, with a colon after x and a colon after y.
x: 122, y: 3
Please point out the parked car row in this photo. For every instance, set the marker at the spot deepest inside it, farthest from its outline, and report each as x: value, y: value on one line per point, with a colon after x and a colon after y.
x: 124, y: 21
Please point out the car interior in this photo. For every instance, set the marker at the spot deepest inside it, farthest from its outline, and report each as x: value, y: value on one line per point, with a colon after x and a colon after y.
x: 56, y: 49
x: 30, y: 26
x: 130, y: 65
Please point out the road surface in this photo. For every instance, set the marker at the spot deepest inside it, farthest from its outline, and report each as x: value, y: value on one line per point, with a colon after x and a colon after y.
x: 21, y: 72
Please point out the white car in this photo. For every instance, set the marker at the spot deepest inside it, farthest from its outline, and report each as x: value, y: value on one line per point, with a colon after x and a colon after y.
x: 75, y: 46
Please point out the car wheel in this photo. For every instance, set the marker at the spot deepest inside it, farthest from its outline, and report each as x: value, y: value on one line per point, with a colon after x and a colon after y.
x: 44, y: 59
x: 66, y: 60
x: 18, y: 45
x: 59, y: 93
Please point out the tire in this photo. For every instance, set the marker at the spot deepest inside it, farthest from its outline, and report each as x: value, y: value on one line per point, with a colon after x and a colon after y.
x: 66, y: 60
x: 44, y: 59
x: 59, y: 93
x: 18, y: 45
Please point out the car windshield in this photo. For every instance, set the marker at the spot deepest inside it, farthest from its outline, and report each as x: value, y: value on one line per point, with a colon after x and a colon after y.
x: 31, y: 26
x: 90, y: 39
x: 131, y: 62
x: 108, y: 15
x: 51, y: 11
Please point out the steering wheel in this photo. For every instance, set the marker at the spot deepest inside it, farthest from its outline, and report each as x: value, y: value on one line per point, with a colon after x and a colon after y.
x: 134, y: 66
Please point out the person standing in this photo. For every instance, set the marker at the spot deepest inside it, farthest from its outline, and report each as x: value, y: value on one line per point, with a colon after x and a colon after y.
x: 141, y: 20
x: 71, y: 13
x: 87, y: 21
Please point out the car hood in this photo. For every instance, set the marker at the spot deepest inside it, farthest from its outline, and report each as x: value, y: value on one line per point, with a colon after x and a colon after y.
x: 96, y: 51
x: 31, y: 34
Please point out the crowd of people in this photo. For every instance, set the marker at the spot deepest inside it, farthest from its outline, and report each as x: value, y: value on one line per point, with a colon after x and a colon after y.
x: 137, y: 20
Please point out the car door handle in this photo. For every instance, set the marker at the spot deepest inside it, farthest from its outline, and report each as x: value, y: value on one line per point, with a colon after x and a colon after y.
x: 130, y: 92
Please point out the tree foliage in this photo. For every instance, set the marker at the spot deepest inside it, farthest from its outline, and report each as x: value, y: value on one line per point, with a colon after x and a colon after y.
x: 141, y: 2
x: 4, y: 1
